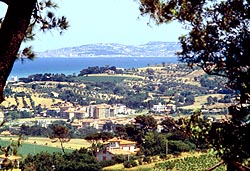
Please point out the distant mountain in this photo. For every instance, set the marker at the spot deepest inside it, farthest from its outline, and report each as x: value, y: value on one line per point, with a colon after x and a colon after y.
x: 150, y: 49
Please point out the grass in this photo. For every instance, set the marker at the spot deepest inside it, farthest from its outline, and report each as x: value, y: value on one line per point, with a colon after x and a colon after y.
x: 150, y: 166
x: 37, y: 144
x: 201, y: 100
x: 22, y: 120
x: 108, y: 78
x: 38, y: 100
x: 27, y: 148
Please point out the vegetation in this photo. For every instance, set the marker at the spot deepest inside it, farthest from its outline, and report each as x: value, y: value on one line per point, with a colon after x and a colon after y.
x: 199, y: 163
x: 60, y: 133
x: 133, y: 89
x: 18, y: 25
x: 34, y: 148
x: 78, y: 160
x: 217, y: 41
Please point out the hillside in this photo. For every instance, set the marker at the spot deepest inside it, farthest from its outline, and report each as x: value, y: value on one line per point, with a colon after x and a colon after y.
x: 150, y: 49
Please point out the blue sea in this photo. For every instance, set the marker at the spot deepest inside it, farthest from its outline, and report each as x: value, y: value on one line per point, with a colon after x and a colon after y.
x: 72, y: 65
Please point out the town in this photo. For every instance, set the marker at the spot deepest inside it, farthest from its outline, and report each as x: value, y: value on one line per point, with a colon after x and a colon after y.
x: 109, y: 94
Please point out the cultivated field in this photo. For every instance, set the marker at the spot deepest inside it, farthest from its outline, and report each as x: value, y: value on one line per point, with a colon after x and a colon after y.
x: 201, y: 100
x: 46, y: 142
x: 108, y: 78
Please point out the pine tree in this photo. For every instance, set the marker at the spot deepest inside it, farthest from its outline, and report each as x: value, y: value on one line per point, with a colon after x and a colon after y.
x: 18, y: 25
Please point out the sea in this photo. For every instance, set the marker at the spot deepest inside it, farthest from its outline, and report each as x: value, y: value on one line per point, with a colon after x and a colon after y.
x: 71, y: 65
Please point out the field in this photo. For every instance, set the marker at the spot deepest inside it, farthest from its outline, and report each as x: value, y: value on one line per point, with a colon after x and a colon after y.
x: 38, y: 144
x: 201, y: 100
x: 108, y: 78
x: 185, y: 162
x: 38, y: 100
x: 27, y: 148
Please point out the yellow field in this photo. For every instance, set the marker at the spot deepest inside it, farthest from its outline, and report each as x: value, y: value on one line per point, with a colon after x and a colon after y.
x: 45, y: 102
x: 201, y: 100
x: 117, y: 75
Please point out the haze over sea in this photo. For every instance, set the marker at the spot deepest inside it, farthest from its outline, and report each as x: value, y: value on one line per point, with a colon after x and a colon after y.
x: 72, y: 65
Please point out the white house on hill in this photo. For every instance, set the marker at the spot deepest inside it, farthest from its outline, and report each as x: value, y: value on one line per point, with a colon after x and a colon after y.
x: 116, y: 146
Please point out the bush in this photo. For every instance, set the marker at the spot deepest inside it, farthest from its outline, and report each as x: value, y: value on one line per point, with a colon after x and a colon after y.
x: 178, y: 146
x: 147, y: 159
x: 120, y: 158
x: 169, y: 165
x: 140, y: 161
x: 107, y: 163
x: 129, y: 164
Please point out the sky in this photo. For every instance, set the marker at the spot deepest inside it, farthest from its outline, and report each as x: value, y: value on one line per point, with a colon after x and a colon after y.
x: 103, y: 21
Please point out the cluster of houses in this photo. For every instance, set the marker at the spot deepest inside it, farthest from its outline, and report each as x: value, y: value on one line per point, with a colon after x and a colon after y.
x: 99, y: 111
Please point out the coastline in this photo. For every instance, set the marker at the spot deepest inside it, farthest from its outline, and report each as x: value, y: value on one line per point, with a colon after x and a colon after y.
x: 73, y: 65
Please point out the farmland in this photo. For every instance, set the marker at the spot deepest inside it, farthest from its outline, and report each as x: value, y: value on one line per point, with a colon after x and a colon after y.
x: 184, y: 162
x: 35, y: 145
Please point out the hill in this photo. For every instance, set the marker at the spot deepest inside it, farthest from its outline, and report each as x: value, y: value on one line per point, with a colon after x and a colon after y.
x: 150, y: 49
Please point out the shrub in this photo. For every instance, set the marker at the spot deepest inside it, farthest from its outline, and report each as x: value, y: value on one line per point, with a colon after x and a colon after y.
x: 147, y: 159
x: 140, y: 161
x: 120, y: 158
x: 178, y: 146
x: 107, y: 163
x: 129, y: 164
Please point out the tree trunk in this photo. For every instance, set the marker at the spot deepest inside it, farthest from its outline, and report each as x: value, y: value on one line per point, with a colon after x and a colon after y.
x: 12, y: 33
x: 61, y: 141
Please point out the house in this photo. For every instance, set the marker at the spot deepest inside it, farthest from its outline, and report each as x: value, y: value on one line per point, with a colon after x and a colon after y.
x: 81, y: 113
x: 121, y: 109
x: 68, y: 113
x: 89, y: 123
x: 160, y: 108
x: 1, y: 116
x: 116, y: 146
x: 102, y: 111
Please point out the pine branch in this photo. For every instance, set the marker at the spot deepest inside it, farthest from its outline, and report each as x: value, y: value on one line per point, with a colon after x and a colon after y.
x: 215, y: 166
x: 241, y: 167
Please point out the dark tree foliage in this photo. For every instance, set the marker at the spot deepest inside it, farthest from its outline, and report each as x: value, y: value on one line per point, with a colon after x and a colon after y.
x: 36, y: 131
x: 218, y: 42
x: 146, y: 122
x: 78, y: 160
x: 61, y: 133
x: 19, y: 23
x: 104, y: 136
x: 99, y: 70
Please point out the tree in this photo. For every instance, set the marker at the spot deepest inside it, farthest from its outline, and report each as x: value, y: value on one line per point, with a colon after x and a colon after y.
x: 61, y: 133
x: 18, y: 25
x: 218, y: 42
x: 147, y: 123
x: 75, y: 161
x: 210, y: 100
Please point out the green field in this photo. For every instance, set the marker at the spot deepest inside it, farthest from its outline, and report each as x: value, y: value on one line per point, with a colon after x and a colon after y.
x: 186, y: 162
x: 27, y: 148
x: 107, y: 78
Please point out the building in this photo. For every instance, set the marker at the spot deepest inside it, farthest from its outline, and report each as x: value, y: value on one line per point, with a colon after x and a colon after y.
x: 1, y: 116
x: 81, y: 113
x: 160, y: 108
x: 121, y: 109
x: 116, y: 146
x: 102, y: 111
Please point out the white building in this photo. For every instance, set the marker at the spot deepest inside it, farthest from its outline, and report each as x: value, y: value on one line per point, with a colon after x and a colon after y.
x: 117, y: 146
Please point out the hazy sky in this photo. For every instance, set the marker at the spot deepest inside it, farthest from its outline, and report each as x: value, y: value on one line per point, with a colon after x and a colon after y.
x: 104, y: 21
